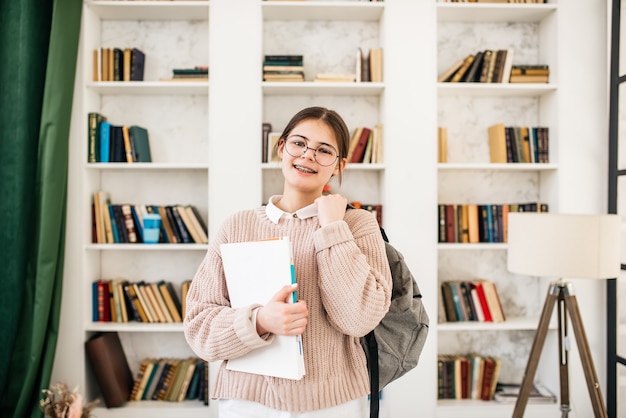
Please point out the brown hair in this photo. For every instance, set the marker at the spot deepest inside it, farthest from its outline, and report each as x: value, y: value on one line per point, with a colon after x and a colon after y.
x: 331, y: 118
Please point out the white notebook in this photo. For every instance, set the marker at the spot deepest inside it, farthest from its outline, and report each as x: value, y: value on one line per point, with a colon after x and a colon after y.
x: 255, y: 271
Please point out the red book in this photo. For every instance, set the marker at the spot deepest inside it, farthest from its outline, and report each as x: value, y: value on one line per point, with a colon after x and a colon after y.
x: 483, y: 301
x: 450, y: 224
x: 359, y: 149
x: 488, y: 375
x: 104, y: 306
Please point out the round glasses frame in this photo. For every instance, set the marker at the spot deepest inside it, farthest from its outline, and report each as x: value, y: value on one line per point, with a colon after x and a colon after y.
x: 293, y: 148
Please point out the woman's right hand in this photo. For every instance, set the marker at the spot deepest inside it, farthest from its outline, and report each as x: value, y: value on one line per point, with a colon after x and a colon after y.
x: 280, y: 317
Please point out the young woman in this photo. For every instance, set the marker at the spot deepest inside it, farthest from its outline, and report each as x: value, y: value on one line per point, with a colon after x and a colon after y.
x: 344, y: 287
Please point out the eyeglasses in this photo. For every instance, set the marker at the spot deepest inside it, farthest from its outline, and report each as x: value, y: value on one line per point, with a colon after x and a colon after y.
x: 297, y: 146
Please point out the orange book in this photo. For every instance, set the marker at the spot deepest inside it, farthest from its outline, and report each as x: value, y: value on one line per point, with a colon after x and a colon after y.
x: 472, y: 223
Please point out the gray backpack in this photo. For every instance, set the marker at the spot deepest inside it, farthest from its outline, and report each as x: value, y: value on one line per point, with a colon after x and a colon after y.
x: 394, y: 346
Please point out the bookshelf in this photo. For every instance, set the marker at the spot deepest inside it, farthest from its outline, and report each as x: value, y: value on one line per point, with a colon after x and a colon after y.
x: 207, y: 148
x: 467, y: 110
x: 176, y: 116
x: 306, y: 28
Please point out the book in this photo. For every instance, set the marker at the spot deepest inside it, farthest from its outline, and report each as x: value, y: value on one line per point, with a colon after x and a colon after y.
x: 154, y: 379
x: 154, y: 393
x: 118, y: 64
x: 110, y: 368
x: 166, y: 225
x: 267, y: 269
x: 93, y: 136
x: 126, y: 65
x: 460, y: 73
x: 196, y: 236
x: 473, y: 74
x: 442, y: 141
x: 266, y: 128
x: 376, y: 64
x: 140, y: 144
x: 359, y: 147
x: 488, y: 56
x: 514, y: 78
x: 497, y: 143
x: 118, y: 151
x: 129, y: 223
x: 184, y: 289
x: 493, y: 300
x: 137, y: 64
x: 508, y: 65
x: 447, y: 75
x: 168, y: 382
x: 179, y: 225
x: 171, y: 300
x: 104, y: 140
x: 197, y: 225
x: 364, y: 68
x: 128, y: 148
x: 143, y: 301
x: 100, y: 200
x: 146, y: 377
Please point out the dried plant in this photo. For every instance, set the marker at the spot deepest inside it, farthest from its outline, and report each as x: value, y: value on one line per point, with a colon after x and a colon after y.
x: 61, y: 402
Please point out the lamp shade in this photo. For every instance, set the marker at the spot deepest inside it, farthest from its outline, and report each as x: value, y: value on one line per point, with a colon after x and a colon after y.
x: 564, y: 245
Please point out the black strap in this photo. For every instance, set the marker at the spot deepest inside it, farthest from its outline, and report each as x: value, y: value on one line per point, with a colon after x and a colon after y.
x: 372, y: 346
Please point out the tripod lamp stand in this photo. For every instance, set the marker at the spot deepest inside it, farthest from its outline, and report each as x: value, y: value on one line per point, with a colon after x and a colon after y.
x: 563, y: 246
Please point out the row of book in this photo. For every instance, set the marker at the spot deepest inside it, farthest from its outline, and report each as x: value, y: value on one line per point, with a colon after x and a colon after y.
x: 369, y: 66
x: 119, y: 300
x: 197, y: 73
x: 488, y: 66
x: 123, y: 223
x: 479, y: 223
x: 470, y: 376
x: 375, y: 209
x: 471, y: 300
x: 283, y: 68
x: 518, y: 144
x: 494, y: 66
x: 118, y: 64
x: 171, y: 379
x: 116, y: 143
x: 366, y: 145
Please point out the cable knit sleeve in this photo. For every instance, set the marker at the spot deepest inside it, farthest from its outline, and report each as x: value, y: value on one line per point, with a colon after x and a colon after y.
x: 354, y: 275
x: 213, y: 329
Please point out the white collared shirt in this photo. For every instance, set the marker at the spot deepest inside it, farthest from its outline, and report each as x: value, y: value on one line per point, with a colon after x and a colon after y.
x: 274, y: 213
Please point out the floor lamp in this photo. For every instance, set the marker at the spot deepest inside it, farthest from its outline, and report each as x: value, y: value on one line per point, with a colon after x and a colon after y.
x: 563, y: 246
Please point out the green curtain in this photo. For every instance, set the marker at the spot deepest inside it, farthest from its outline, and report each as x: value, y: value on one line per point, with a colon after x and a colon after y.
x: 39, y: 43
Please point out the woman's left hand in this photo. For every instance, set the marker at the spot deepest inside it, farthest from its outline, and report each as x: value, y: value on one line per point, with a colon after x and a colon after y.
x: 330, y: 208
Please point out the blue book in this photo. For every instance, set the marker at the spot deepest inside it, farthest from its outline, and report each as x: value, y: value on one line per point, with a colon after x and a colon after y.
x: 94, y: 301
x: 105, y: 141
x: 116, y: 235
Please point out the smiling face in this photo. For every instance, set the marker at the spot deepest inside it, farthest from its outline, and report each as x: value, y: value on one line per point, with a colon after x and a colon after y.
x: 303, y: 174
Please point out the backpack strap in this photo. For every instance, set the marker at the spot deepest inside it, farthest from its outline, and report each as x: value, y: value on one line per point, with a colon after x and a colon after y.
x: 372, y: 346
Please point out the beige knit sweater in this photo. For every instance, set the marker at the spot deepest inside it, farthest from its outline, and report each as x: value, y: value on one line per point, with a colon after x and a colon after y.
x: 342, y: 274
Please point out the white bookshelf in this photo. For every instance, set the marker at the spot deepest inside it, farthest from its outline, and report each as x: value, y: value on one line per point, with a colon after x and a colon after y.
x: 207, y: 147
x: 467, y: 110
